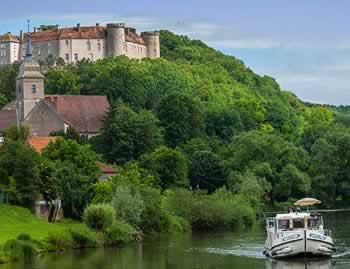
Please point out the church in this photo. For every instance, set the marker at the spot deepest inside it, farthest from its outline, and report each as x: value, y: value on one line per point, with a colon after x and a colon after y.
x: 44, y: 114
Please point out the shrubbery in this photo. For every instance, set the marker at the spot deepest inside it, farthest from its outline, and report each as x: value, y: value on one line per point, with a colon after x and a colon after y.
x: 128, y: 205
x: 219, y: 210
x: 82, y: 238
x: 119, y: 233
x: 99, y: 216
x: 59, y: 241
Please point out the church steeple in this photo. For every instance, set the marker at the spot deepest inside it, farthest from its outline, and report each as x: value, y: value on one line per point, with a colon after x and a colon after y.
x: 30, y: 82
x: 29, y: 49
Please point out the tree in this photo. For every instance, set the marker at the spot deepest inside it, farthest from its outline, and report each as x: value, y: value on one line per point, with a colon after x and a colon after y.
x: 15, y: 133
x: 3, y: 100
x: 62, y: 81
x: 206, y: 171
x: 126, y: 135
x: 169, y: 166
x: 75, y: 172
x: 181, y: 117
x: 21, y: 163
x: 268, y: 156
x: 329, y: 168
x: 44, y: 27
x: 224, y: 122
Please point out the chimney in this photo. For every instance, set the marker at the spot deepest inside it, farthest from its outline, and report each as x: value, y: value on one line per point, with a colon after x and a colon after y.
x: 34, y: 29
x: 97, y: 25
x: 78, y: 27
x: 21, y: 35
x: 57, y: 26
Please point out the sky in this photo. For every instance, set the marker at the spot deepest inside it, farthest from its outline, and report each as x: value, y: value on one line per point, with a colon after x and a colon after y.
x: 303, y: 44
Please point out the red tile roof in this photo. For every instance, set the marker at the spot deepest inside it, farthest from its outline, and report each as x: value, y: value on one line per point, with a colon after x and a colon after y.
x: 9, y: 37
x: 85, y: 32
x: 39, y: 143
x: 106, y: 169
x: 82, y: 113
x: 8, y: 118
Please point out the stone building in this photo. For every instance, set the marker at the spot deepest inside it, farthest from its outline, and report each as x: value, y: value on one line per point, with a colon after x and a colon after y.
x: 44, y: 114
x: 75, y: 43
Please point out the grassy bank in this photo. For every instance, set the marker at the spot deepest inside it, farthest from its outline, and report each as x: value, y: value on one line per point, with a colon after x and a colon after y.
x: 16, y: 220
x: 23, y: 235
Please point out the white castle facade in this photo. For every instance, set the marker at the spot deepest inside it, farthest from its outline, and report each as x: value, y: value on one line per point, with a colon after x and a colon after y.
x: 76, y: 43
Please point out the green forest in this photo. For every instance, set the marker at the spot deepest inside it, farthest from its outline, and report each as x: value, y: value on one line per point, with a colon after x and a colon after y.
x: 198, y: 138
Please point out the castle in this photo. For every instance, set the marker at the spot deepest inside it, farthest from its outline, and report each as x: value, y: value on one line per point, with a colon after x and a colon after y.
x: 48, y: 113
x: 76, y: 43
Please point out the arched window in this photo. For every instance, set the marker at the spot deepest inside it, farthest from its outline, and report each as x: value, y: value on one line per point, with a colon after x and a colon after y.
x: 33, y: 88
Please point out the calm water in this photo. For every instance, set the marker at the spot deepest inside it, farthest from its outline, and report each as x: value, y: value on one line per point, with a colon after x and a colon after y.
x: 220, y: 250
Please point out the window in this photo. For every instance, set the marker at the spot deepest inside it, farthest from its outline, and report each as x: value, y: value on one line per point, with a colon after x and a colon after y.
x: 284, y: 224
x: 91, y: 56
x: 3, y: 50
x: 39, y: 50
x: 298, y: 223
x: 33, y: 88
x: 49, y: 51
x: 67, y: 57
x: 99, y: 45
x: 88, y: 45
x: 76, y: 57
x: 67, y: 42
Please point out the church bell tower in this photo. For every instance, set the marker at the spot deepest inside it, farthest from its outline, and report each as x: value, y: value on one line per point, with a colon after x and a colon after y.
x: 29, y: 83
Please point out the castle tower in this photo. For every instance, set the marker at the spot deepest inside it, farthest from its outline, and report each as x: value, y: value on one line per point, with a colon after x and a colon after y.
x: 153, y: 43
x: 29, y: 83
x: 115, y: 39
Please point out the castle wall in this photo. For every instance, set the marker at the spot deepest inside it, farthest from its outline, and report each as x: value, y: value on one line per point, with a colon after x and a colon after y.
x: 43, y: 49
x: 135, y: 51
x: 73, y: 50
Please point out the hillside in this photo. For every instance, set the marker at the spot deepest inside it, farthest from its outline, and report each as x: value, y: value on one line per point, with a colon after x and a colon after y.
x: 196, y: 117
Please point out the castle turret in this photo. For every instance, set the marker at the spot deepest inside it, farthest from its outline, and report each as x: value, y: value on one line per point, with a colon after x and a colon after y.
x: 153, y: 43
x: 29, y: 83
x: 115, y: 39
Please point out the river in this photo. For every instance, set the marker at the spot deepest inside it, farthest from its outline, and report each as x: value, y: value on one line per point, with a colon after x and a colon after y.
x: 214, y: 250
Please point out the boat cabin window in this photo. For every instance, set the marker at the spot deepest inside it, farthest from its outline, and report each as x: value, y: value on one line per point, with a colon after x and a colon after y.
x: 283, y: 224
x: 314, y: 223
x: 298, y: 223
x: 270, y: 223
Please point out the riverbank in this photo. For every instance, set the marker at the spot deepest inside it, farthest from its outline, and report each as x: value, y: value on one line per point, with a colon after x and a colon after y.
x: 23, y: 235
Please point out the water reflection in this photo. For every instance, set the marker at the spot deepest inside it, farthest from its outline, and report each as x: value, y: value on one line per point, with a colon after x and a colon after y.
x: 300, y: 264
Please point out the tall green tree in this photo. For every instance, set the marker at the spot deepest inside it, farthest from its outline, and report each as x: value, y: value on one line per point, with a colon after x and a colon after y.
x: 20, y: 162
x: 181, y: 117
x: 75, y: 170
x: 126, y: 134
x: 169, y: 166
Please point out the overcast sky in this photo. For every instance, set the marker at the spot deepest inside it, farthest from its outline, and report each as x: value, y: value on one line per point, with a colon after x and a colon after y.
x: 304, y: 44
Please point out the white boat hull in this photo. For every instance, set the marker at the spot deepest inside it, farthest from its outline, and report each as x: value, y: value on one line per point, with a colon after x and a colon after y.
x: 307, y: 243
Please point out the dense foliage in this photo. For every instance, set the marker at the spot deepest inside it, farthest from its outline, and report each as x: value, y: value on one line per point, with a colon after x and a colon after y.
x: 198, y: 139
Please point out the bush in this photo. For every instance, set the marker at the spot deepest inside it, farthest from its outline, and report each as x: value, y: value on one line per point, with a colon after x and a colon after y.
x: 119, y: 233
x: 82, y: 238
x: 24, y: 237
x: 221, y: 209
x: 99, y: 217
x: 18, y: 249
x: 59, y: 241
x: 178, y: 224
x: 154, y: 218
x: 128, y: 205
